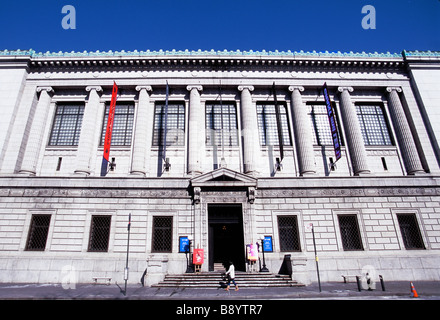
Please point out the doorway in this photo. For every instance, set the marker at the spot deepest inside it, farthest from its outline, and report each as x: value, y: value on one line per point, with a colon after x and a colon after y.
x: 226, y: 238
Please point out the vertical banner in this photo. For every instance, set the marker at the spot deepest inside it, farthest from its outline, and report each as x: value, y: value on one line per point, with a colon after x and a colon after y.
x: 332, y: 122
x: 279, y: 126
x: 164, y: 154
x: 108, y: 131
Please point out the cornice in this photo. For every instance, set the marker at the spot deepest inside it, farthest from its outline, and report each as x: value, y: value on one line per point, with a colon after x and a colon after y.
x: 186, y: 58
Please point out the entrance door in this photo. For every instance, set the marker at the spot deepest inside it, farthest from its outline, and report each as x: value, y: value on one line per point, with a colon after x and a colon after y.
x: 226, y: 239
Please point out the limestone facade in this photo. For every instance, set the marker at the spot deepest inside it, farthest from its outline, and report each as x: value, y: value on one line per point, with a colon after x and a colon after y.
x: 379, y: 205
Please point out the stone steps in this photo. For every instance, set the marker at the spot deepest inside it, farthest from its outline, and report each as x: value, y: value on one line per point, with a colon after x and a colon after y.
x: 212, y: 279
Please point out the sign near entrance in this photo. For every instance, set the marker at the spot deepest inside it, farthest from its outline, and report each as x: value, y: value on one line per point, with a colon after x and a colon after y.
x: 252, y: 252
x: 198, y: 257
x: 183, y: 244
x: 267, y: 244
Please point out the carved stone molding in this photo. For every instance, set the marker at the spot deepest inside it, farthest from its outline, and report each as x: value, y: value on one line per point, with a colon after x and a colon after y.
x: 197, y: 87
x: 398, y: 89
x: 96, y: 88
x: 349, y: 89
x: 241, y: 88
x: 299, y: 88
x: 148, y: 88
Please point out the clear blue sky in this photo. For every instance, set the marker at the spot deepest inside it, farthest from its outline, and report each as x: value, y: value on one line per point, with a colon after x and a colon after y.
x: 333, y: 25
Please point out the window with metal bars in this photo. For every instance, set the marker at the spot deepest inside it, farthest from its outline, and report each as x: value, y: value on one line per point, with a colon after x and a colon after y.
x: 267, y: 124
x: 122, y: 124
x: 288, y: 232
x: 374, y: 126
x: 350, y: 235
x: 38, y: 231
x: 99, y: 233
x: 221, y: 124
x: 162, y: 234
x: 66, y: 125
x: 175, y: 124
x: 409, y: 228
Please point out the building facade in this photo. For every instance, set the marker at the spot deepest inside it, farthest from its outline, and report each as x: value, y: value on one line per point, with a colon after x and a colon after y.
x: 243, y: 150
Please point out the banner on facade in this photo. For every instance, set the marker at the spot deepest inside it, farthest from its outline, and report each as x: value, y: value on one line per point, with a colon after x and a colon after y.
x: 279, y: 125
x: 108, y: 131
x: 332, y: 122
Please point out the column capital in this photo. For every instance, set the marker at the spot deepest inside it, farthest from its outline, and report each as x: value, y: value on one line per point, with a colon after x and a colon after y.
x: 197, y: 87
x: 299, y: 88
x: 349, y: 89
x: 96, y: 88
x: 241, y: 88
x: 390, y: 89
x: 47, y: 89
x: 140, y: 88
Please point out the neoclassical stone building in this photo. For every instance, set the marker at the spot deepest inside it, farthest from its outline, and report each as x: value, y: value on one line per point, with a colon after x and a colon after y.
x: 243, y: 150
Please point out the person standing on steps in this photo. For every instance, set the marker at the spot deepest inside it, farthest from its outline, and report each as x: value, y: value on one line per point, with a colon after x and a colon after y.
x: 231, y: 276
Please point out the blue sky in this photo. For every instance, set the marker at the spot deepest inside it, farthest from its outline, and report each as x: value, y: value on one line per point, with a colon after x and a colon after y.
x: 333, y: 25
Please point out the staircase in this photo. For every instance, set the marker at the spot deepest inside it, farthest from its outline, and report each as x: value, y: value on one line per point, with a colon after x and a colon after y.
x: 211, y: 280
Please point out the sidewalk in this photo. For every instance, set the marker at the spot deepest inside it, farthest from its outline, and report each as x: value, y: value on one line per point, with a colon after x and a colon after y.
x: 427, y: 290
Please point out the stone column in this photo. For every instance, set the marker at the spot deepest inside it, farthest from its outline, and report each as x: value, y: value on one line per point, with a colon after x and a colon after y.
x: 353, y: 135
x: 303, y: 134
x: 249, y: 128
x: 88, y: 129
x: 407, y: 145
x: 33, y: 147
x: 143, y: 132
x: 196, y: 131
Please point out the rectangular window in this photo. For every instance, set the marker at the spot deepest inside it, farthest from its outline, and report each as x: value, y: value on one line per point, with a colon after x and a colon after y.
x: 99, y: 233
x: 267, y: 124
x: 289, y: 235
x: 350, y: 235
x: 412, y: 239
x: 162, y: 234
x: 38, y: 231
x: 175, y: 124
x: 66, y: 126
x: 221, y: 124
x: 373, y: 124
x: 322, y: 133
x: 122, y: 125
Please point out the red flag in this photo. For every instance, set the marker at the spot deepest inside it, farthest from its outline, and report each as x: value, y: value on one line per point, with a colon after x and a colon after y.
x: 108, y: 132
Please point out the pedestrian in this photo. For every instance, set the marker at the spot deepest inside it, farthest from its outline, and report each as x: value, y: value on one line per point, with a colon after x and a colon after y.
x: 231, y: 276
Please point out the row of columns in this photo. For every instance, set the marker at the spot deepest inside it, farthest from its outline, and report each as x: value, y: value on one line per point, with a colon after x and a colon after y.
x: 249, y: 125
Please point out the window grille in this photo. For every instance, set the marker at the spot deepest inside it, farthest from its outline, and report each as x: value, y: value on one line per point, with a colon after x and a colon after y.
x: 122, y: 125
x: 99, y: 233
x: 322, y: 134
x: 38, y: 231
x: 66, y: 126
x: 412, y: 239
x: 162, y: 234
x: 267, y: 123
x: 373, y: 124
x: 350, y: 235
x: 288, y: 231
x: 221, y: 120
x: 175, y: 125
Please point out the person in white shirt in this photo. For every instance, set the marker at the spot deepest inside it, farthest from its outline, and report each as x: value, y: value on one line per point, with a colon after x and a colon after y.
x: 231, y: 276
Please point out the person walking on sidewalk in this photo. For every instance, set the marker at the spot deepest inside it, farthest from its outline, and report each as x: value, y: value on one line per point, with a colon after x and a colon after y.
x: 231, y: 276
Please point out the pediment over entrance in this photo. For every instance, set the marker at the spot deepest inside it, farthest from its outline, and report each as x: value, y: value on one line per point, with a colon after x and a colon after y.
x: 223, y: 177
